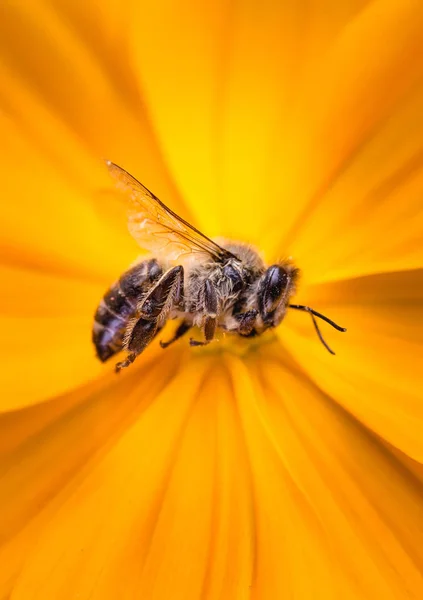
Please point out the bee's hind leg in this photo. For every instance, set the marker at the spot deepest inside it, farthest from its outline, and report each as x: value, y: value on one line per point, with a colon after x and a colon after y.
x: 151, y: 314
x: 125, y: 363
x: 209, y: 298
x: 137, y: 340
x: 181, y: 330
x: 140, y: 343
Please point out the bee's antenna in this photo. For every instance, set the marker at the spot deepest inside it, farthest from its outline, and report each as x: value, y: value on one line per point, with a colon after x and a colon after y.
x: 313, y: 314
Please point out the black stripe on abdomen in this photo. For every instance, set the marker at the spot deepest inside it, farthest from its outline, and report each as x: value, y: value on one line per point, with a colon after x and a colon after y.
x: 107, y: 341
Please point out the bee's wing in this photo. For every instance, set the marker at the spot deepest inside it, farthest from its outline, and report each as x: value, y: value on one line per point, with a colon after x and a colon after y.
x: 157, y: 228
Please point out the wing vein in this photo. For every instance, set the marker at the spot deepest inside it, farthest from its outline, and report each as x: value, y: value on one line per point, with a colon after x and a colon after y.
x: 156, y: 227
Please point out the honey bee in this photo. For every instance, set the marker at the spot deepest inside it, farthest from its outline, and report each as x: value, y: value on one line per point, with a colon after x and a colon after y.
x: 203, y: 282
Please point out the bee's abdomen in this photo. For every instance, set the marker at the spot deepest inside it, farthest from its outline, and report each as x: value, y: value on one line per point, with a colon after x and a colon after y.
x: 119, y: 305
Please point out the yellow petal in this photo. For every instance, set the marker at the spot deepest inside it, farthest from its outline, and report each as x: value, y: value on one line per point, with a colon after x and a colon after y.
x: 47, y: 451
x: 76, y: 87
x: 370, y: 220
x: 130, y: 489
x: 177, y: 74
x: 329, y: 501
x: 31, y: 293
x: 203, y: 496
x: 47, y: 222
x: 376, y: 373
x: 57, y: 129
x: 269, y: 51
x: 46, y: 322
x: 219, y: 82
x: 370, y: 69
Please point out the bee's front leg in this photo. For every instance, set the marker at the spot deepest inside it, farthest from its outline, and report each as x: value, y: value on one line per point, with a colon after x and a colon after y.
x: 209, y: 307
x: 151, y: 314
x: 246, y: 322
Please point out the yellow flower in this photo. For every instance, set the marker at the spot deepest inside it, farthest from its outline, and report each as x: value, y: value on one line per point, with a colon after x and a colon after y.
x: 263, y: 470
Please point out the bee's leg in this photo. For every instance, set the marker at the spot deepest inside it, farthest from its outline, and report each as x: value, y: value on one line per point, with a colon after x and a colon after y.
x: 125, y: 363
x: 139, y: 335
x: 246, y: 321
x: 167, y: 292
x: 209, y: 298
x: 182, y: 329
x: 151, y: 314
x: 178, y: 296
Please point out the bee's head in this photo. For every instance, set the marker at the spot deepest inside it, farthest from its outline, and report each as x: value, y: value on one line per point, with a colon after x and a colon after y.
x: 276, y: 287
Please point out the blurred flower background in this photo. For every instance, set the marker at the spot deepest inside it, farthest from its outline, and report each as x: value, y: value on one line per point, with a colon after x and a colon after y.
x: 263, y: 470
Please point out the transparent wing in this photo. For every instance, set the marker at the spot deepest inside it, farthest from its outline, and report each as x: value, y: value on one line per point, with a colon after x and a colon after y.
x: 157, y: 228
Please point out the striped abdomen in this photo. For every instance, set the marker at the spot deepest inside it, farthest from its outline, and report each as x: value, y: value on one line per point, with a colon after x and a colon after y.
x: 119, y: 305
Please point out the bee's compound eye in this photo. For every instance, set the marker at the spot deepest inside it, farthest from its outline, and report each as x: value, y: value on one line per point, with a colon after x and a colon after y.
x: 234, y: 276
x: 272, y: 289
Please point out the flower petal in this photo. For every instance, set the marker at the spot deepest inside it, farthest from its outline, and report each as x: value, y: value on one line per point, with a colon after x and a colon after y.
x: 46, y: 322
x: 342, y: 132
x: 48, y: 451
x: 56, y: 130
x: 197, y: 517
x: 47, y: 222
x: 371, y: 218
x: 271, y: 49
x: 320, y: 509
x: 177, y: 72
x: 31, y: 293
x: 220, y: 81
x: 376, y: 374
x: 135, y: 489
x: 311, y: 464
x: 103, y: 116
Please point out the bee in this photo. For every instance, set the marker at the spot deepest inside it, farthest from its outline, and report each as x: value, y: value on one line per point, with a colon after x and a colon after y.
x: 205, y: 283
